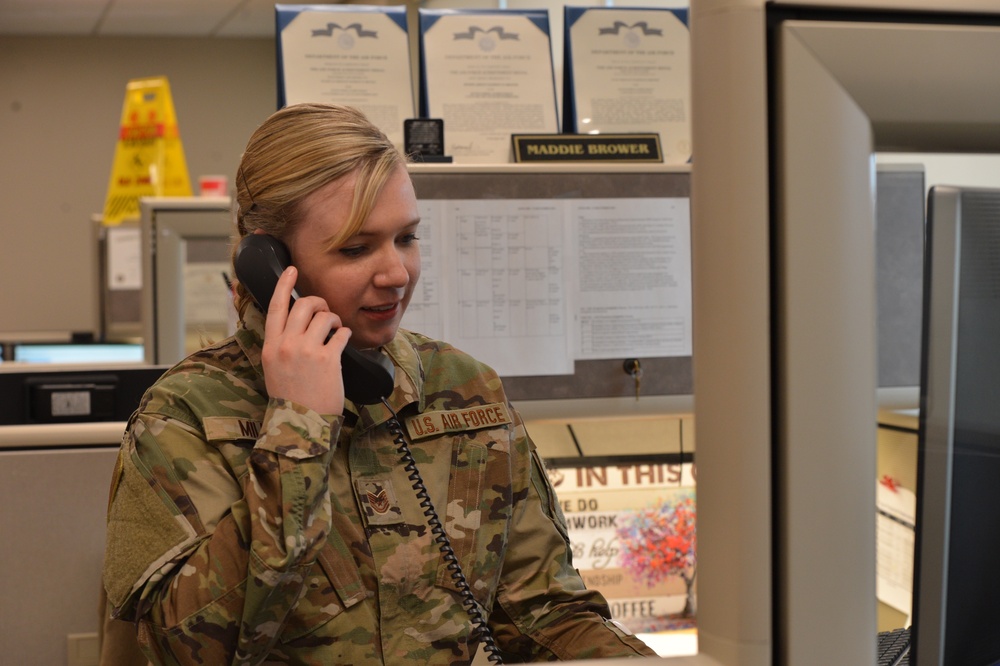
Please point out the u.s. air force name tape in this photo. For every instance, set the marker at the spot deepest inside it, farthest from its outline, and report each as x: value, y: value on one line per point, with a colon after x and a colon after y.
x: 430, y: 424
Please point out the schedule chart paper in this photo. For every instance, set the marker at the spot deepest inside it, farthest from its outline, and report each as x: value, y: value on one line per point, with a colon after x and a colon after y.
x: 496, y: 270
x: 530, y: 285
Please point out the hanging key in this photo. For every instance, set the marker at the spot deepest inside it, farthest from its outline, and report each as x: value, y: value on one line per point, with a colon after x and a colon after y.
x: 634, y: 370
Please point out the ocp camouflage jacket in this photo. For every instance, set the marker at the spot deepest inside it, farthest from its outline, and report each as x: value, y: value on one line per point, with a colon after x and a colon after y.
x: 244, y: 529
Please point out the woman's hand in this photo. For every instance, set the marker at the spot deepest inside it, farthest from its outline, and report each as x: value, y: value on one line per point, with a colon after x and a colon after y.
x: 298, y: 366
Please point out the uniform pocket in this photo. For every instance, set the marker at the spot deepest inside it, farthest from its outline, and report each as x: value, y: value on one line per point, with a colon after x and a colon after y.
x: 318, y: 604
x: 478, y: 511
x: 332, y: 585
x: 207, y: 636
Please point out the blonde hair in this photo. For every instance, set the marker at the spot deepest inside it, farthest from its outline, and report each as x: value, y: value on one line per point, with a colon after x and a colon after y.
x: 298, y: 150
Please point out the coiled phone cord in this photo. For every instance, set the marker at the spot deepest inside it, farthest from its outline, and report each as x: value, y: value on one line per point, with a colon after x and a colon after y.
x: 441, y: 538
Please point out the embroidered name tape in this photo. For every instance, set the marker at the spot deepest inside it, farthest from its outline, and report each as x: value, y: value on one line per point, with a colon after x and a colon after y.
x: 430, y: 424
x: 230, y: 427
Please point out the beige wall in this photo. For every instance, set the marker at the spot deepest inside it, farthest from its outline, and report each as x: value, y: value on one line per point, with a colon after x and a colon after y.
x: 59, y: 115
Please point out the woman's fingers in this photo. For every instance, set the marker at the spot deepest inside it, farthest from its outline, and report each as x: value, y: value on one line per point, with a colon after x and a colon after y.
x: 277, y: 310
x: 301, y: 357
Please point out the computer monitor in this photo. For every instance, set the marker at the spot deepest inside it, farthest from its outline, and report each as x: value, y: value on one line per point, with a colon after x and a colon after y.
x: 956, y: 597
x: 59, y: 353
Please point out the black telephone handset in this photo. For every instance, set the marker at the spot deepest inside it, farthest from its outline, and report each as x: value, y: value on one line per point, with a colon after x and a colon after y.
x: 260, y: 260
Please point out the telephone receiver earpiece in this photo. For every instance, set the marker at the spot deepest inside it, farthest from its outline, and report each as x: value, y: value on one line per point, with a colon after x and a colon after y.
x: 260, y: 260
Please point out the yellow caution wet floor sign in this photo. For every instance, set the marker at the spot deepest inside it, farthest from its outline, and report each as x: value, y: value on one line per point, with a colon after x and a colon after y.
x: 149, y: 157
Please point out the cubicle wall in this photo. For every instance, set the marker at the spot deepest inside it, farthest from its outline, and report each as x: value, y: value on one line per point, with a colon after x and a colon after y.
x: 60, y: 429
x: 186, y: 301
x: 899, y: 257
x: 54, y: 501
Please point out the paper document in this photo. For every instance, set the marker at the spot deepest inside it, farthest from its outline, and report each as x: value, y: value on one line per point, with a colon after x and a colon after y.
x: 124, y: 252
x: 896, y: 509
x: 530, y: 285
x: 633, y: 277
x: 494, y: 284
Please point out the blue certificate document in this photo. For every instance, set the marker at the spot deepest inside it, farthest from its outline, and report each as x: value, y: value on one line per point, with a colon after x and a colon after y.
x: 488, y: 74
x: 347, y: 54
x: 628, y: 70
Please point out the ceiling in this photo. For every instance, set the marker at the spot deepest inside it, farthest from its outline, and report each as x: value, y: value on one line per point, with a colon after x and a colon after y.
x: 175, y: 18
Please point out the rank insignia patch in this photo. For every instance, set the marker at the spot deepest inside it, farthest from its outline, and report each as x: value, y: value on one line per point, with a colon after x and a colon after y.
x: 378, y: 502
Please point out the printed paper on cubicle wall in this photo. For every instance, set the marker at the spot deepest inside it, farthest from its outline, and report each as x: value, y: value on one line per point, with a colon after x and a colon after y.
x: 632, y: 277
x: 895, y: 518
x: 530, y: 285
x: 124, y: 257
x: 493, y: 282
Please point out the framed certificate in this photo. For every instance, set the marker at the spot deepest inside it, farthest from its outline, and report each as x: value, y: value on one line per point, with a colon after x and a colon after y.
x: 629, y: 70
x: 488, y: 74
x: 347, y: 54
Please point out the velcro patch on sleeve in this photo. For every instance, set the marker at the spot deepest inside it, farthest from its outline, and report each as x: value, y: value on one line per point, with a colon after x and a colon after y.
x: 431, y: 424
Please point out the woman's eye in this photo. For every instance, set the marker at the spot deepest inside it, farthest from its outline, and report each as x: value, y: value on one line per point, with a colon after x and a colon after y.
x: 406, y: 239
x: 353, y: 251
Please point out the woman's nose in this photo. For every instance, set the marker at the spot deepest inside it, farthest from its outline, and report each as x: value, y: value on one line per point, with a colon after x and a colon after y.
x: 392, y: 271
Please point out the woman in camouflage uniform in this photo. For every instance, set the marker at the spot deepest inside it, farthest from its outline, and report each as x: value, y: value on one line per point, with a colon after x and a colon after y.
x: 259, y: 517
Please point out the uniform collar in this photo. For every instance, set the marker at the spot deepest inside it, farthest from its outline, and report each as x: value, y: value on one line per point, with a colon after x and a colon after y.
x: 409, y: 378
x: 409, y: 383
x: 250, y: 337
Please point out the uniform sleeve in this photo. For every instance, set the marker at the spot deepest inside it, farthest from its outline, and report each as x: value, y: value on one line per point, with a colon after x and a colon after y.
x: 544, y: 612
x: 208, y: 563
